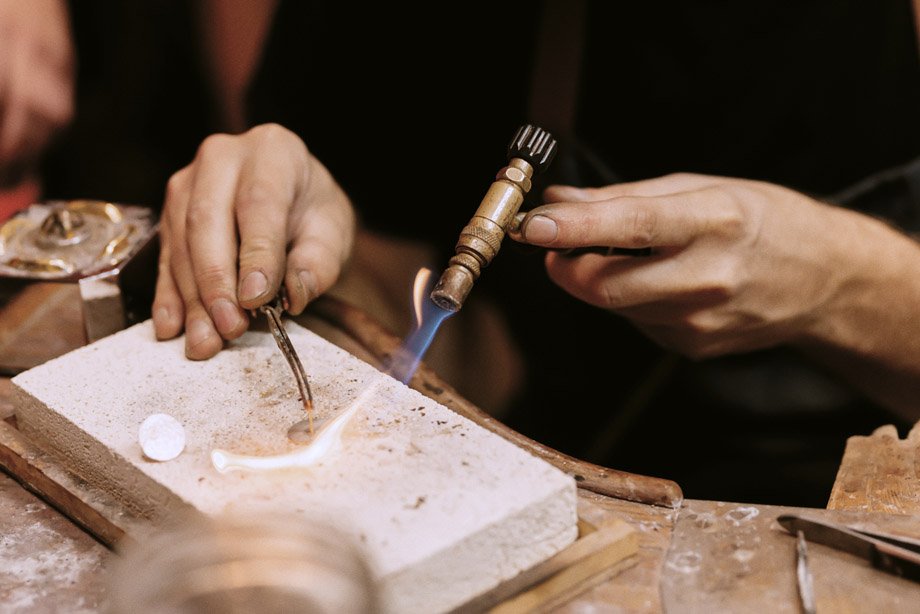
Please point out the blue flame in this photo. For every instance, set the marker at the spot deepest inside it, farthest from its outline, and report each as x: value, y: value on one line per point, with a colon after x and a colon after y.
x: 406, y: 359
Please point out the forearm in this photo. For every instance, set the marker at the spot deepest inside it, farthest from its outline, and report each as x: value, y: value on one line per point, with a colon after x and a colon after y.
x: 869, y: 332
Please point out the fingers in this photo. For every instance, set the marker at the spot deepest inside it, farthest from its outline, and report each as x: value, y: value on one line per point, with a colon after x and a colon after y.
x: 168, y: 310
x: 265, y: 194
x: 323, y: 237
x: 251, y: 212
x: 731, y: 269
x: 211, y: 240
x: 314, y: 262
x: 202, y: 339
x: 628, y: 221
x: 658, y: 186
x: 621, y: 283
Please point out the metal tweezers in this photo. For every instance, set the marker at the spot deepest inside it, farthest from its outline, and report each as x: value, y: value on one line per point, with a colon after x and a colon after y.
x: 273, y: 312
x: 892, y: 553
x: 803, y: 575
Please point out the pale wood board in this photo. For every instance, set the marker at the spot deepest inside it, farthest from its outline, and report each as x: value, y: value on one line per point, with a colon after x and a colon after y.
x: 733, y: 557
x: 879, y: 473
x: 599, y: 549
x: 610, y: 548
x: 635, y: 590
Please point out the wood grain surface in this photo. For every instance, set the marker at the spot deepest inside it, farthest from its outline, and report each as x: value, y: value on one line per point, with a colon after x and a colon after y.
x: 729, y: 557
x: 879, y: 473
x: 599, y: 549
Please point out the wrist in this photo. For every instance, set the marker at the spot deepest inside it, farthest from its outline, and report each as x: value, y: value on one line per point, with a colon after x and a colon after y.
x: 872, y: 281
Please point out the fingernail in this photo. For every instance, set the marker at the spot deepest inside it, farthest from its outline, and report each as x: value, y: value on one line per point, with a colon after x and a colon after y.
x: 161, y: 315
x: 540, y: 229
x: 253, y: 286
x: 163, y: 323
x: 225, y: 315
x: 197, y: 333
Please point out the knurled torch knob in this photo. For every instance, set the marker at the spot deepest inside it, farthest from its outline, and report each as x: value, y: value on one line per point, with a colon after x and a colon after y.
x: 530, y: 152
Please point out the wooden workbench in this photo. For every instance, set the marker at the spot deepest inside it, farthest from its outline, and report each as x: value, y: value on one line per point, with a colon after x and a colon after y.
x: 705, y: 556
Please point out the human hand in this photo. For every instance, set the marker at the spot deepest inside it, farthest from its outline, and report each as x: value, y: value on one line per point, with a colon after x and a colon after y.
x: 36, y: 81
x: 737, y: 265
x: 250, y: 212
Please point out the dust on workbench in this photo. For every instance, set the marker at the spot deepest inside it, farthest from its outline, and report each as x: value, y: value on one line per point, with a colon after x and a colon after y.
x: 730, y: 557
x: 634, y: 590
x: 47, y: 564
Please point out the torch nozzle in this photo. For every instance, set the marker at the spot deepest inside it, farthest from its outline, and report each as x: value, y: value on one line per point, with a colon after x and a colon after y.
x: 452, y: 289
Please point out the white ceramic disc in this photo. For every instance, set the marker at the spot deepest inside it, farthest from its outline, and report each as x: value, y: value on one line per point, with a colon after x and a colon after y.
x: 161, y: 436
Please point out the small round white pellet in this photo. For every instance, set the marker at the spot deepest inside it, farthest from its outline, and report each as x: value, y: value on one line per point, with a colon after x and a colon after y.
x: 161, y: 436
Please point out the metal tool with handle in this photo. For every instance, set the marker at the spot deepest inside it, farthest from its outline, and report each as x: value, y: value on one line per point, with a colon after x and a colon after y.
x: 894, y: 554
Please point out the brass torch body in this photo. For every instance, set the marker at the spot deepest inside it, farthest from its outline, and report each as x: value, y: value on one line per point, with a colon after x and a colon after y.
x: 482, y: 237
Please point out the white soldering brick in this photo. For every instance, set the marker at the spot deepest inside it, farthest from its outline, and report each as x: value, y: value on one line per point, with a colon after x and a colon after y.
x: 445, y: 509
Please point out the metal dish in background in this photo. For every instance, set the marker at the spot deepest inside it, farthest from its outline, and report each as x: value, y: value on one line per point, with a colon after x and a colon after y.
x: 69, y: 240
x: 107, y: 250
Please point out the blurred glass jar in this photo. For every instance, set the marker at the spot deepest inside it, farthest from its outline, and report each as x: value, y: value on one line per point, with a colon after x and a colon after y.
x: 233, y: 564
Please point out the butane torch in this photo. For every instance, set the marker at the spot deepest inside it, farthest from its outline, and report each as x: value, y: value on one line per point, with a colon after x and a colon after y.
x: 530, y: 152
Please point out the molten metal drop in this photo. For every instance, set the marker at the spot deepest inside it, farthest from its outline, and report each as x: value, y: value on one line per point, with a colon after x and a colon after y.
x: 326, y: 441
